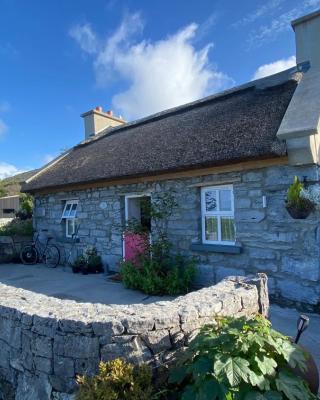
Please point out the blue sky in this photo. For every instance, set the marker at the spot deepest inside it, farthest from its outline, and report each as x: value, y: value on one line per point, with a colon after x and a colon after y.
x: 61, y: 58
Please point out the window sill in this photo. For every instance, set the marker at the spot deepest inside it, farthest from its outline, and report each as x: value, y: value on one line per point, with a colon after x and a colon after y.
x: 216, y: 248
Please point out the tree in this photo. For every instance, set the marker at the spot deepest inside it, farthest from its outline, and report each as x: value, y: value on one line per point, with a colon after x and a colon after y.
x: 3, y: 191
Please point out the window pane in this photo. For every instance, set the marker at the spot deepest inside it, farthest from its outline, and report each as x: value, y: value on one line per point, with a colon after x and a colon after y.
x: 227, y: 229
x: 212, y: 228
x: 66, y: 211
x: 225, y: 200
x: 211, y: 200
x: 70, y: 227
x: 73, y: 210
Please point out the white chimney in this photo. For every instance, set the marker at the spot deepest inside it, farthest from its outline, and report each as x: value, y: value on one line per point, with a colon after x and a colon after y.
x: 307, y: 31
x: 300, y: 126
x: 95, y: 121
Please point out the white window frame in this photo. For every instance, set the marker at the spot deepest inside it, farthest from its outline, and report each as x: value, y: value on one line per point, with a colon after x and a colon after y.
x: 73, y: 223
x: 219, y: 214
x: 126, y: 214
x: 68, y: 217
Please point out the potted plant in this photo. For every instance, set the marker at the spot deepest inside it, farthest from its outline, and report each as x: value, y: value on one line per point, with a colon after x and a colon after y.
x: 93, y: 262
x: 299, y: 204
x: 85, y: 269
x: 78, y: 264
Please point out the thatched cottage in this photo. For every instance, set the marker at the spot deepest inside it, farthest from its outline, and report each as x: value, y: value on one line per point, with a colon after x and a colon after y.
x: 229, y: 160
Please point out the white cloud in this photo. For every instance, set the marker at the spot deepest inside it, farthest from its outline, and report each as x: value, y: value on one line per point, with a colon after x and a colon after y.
x: 7, y: 170
x: 274, y: 67
x: 261, y: 11
x: 85, y: 37
x: 3, y: 128
x: 281, y: 22
x: 160, y: 74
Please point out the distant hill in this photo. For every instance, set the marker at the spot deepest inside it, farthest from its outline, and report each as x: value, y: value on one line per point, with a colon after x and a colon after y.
x: 12, y: 185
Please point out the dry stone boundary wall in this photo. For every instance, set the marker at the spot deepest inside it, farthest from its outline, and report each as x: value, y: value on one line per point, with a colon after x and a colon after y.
x: 45, y: 342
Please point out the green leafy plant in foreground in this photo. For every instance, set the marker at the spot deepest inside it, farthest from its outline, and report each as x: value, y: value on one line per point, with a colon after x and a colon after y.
x: 241, y: 359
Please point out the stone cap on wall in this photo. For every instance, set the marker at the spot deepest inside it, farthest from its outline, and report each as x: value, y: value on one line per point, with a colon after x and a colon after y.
x: 231, y: 296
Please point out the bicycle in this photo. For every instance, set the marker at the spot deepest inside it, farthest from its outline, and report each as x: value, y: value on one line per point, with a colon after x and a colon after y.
x: 41, y: 252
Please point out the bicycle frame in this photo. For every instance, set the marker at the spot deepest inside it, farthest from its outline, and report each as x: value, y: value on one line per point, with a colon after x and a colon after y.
x: 41, y: 247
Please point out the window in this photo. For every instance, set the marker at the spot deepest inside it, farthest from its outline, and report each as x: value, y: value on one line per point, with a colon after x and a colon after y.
x: 8, y: 211
x: 217, y: 206
x: 69, y: 215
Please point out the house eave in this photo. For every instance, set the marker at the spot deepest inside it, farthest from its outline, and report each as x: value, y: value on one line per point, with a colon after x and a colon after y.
x: 168, y: 175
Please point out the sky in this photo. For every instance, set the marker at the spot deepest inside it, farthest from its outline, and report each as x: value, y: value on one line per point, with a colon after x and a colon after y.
x: 61, y: 58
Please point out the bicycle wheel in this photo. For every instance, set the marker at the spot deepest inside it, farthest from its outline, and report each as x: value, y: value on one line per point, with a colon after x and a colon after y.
x: 29, y: 255
x: 52, y: 256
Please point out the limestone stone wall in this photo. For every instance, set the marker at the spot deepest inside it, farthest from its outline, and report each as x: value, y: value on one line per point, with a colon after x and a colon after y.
x: 45, y: 342
x: 271, y: 241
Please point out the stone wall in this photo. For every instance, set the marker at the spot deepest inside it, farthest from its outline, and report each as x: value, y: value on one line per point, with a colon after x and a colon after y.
x: 272, y: 242
x: 45, y: 342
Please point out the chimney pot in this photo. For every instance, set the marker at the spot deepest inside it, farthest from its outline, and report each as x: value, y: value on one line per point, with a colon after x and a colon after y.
x: 99, y: 108
x: 110, y: 112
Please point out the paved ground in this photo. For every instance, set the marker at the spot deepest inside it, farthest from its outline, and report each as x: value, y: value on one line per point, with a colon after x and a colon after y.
x: 62, y: 283
x: 285, y: 321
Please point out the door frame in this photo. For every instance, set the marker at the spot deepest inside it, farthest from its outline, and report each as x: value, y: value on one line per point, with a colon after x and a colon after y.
x: 126, y: 203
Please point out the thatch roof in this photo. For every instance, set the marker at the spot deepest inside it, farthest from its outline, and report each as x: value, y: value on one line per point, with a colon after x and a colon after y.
x: 240, y: 124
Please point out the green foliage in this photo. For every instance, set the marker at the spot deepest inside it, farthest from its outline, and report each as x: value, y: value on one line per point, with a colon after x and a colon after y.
x: 17, y: 227
x: 79, y: 262
x: 3, y: 191
x: 26, y: 203
x: 157, y: 271
x: 172, y: 275
x: 295, y: 199
x: 241, y: 359
x: 89, y: 262
x: 26, y: 207
x: 117, y: 380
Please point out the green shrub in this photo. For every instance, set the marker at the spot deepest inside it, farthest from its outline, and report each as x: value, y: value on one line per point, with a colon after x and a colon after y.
x: 241, y: 359
x: 117, y: 380
x: 17, y: 227
x: 89, y: 262
x: 3, y: 191
x: 295, y: 199
x: 26, y: 207
x: 172, y: 275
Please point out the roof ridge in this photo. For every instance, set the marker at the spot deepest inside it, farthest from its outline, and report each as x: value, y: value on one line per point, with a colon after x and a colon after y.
x: 260, y: 84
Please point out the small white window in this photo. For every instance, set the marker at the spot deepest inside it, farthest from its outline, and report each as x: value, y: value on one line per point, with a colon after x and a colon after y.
x: 70, y: 216
x: 217, y: 207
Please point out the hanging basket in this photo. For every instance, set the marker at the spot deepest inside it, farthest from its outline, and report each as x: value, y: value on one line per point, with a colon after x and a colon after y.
x: 296, y: 213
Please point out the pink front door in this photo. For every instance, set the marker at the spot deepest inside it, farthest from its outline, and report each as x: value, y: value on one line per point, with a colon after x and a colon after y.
x: 134, y: 245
